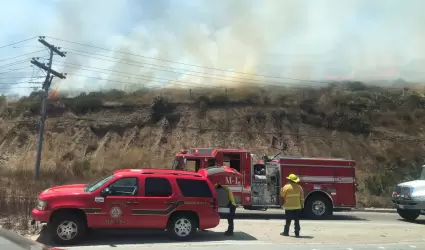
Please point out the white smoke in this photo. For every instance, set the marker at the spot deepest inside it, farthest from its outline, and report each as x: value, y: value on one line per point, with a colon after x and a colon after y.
x: 303, y: 39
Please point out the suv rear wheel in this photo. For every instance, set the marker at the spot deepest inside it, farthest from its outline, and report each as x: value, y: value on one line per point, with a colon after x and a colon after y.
x: 182, y: 227
x: 409, y: 215
x: 67, y: 229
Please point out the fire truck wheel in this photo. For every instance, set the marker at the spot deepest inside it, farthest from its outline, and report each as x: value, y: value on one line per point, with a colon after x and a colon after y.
x: 67, y: 229
x: 182, y: 227
x: 409, y: 215
x: 318, y: 207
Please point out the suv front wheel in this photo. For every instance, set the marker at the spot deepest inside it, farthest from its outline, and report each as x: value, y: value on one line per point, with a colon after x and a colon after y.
x: 67, y: 229
x: 182, y: 227
x: 409, y: 215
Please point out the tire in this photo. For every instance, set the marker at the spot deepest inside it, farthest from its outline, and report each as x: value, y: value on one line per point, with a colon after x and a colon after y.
x: 182, y: 227
x: 318, y: 207
x: 71, y: 226
x: 409, y: 215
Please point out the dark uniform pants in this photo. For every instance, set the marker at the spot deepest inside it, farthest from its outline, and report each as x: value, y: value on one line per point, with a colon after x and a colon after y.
x: 231, y: 217
x: 292, y: 215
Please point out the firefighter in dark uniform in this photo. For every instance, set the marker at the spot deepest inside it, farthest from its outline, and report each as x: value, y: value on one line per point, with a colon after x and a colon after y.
x: 226, y: 199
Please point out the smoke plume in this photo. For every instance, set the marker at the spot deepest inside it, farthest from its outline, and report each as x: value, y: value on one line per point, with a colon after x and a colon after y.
x: 318, y: 40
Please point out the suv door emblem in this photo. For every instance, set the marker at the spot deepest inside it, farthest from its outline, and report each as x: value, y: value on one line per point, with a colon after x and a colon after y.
x: 115, y: 212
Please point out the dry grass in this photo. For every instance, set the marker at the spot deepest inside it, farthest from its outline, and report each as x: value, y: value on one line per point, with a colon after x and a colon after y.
x: 81, y: 144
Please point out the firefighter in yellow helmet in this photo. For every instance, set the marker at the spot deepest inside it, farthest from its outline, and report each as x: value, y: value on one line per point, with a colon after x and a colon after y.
x: 293, y: 202
x: 226, y: 199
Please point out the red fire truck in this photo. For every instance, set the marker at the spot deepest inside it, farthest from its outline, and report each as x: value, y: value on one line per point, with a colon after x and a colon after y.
x: 329, y: 183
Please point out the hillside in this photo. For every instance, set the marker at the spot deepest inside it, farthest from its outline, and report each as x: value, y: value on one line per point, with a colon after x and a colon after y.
x: 89, y: 135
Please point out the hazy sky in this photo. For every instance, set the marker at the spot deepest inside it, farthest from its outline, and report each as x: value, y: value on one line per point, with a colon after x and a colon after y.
x: 303, y: 39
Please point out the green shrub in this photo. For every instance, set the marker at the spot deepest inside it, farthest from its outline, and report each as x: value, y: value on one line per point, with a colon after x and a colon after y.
x: 357, y: 86
x: 85, y: 104
x: 380, y: 184
x: 218, y: 100
x: 160, y: 107
x: 251, y: 98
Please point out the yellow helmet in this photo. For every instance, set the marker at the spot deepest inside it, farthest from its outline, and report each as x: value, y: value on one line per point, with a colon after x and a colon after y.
x: 293, y: 177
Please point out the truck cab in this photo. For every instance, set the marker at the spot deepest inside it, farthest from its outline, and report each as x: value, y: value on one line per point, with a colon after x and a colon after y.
x: 409, y: 197
x: 195, y: 159
x: 238, y: 179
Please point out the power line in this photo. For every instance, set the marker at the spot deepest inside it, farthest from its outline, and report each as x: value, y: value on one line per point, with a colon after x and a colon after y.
x: 20, y: 77
x: 158, y: 59
x: 187, y: 64
x: 4, y: 46
x: 18, y: 87
x: 159, y: 79
x: 200, y: 76
x: 21, y: 55
x: 15, y: 83
x: 230, y: 71
x: 181, y: 63
x: 132, y: 83
x: 150, y: 79
x: 208, y: 75
x: 14, y: 63
x: 15, y: 70
x: 257, y: 82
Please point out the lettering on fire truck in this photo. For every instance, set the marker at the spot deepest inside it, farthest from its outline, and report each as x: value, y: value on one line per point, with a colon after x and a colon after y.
x: 116, y: 222
x: 232, y: 180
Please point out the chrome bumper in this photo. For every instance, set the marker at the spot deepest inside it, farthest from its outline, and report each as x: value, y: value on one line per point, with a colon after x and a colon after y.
x: 409, y: 204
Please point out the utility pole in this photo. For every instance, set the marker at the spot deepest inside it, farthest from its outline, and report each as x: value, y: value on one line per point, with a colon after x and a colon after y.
x: 46, y: 86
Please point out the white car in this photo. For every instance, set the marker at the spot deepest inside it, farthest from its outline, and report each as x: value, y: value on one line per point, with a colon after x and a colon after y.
x: 409, y: 198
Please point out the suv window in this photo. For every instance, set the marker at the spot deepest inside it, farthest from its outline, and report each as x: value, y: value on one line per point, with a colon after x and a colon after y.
x: 157, y: 187
x: 128, y: 186
x: 194, y: 188
x: 95, y: 185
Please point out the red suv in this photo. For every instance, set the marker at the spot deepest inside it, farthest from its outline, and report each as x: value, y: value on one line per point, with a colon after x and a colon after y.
x: 180, y: 202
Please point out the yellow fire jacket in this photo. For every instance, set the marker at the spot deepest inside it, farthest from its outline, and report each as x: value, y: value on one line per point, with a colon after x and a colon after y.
x: 293, y: 196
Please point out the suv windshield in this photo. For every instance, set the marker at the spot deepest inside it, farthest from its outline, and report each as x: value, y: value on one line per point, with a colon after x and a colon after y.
x: 422, y: 177
x: 95, y: 185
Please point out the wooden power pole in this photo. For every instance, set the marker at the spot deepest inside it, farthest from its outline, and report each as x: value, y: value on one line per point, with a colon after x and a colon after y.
x: 46, y: 86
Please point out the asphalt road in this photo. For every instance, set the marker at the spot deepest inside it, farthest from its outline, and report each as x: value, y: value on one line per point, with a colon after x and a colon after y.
x: 254, y: 229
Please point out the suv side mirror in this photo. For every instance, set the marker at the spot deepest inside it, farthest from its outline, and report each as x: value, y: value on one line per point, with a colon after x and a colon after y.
x: 105, y: 192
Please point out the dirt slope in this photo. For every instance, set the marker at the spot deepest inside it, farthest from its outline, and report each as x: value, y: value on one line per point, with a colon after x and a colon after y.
x: 89, y: 135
